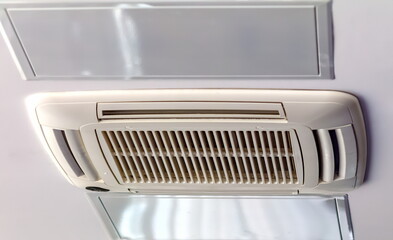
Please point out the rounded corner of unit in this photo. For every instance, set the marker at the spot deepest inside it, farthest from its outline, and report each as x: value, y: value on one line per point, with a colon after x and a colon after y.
x: 346, y: 97
x: 32, y: 99
x: 361, y: 173
x: 35, y: 99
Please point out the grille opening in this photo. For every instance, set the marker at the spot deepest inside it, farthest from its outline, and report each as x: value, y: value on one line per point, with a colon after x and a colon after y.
x: 319, y: 152
x: 114, y: 147
x: 336, y: 152
x: 201, y: 157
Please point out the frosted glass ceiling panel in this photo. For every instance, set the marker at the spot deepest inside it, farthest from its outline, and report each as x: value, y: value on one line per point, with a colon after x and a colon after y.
x: 224, y: 217
x: 168, y: 40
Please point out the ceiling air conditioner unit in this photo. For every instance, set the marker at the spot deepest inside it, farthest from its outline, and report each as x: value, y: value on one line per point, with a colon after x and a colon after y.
x: 205, y: 140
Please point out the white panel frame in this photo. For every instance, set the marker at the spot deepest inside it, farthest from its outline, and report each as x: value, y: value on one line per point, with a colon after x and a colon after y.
x: 304, y: 163
x: 323, y: 25
x: 341, y: 201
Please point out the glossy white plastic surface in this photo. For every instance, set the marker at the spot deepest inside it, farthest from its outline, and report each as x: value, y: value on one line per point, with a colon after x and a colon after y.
x: 301, y: 111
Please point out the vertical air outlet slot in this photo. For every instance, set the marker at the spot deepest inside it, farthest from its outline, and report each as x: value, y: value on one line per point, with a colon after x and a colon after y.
x: 336, y: 152
x: 72, y: 148
x: 328, y: 154
x: 67, y: 153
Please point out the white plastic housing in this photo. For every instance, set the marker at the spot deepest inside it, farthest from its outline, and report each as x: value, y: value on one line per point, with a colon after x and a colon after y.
x: 205, y: 140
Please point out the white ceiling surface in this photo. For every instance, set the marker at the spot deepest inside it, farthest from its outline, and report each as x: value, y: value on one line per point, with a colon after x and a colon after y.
x: 37, y: 203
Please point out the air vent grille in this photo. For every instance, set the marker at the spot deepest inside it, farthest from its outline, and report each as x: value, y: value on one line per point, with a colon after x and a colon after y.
x: 337, y: 153
x: 67, y: 153
x: 201, y: 157
x: 190, y: 110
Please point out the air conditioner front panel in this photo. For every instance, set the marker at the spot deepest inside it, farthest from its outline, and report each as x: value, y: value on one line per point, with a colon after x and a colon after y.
x: 213, y: 153
x: 205, y: 140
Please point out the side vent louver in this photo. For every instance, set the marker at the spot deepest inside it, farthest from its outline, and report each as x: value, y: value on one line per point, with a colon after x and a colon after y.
x: 208, y: 157
x: 337, y: 153
x: 72, y: 148
x: 68, y: 155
